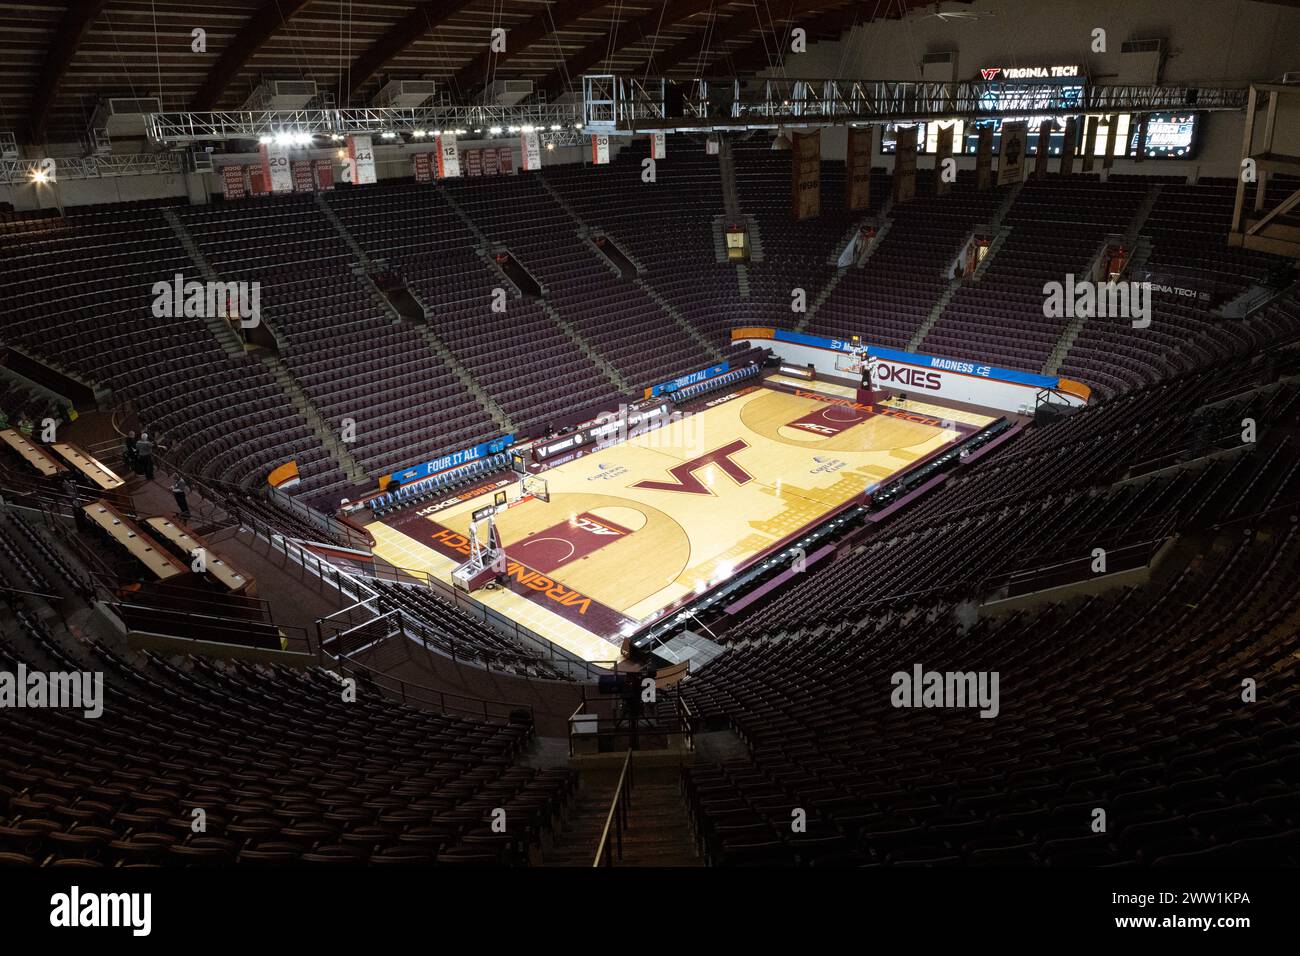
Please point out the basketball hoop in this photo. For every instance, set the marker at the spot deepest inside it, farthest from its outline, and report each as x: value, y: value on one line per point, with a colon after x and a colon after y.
x: 852, y: 360
x: 487, y: 558
x: 531, y: 486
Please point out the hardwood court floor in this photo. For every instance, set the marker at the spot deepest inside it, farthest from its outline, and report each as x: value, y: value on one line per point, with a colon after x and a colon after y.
x: 633, y: 529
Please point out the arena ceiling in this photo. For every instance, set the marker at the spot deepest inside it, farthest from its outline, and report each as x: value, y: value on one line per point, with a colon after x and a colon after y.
x: 58, y: 57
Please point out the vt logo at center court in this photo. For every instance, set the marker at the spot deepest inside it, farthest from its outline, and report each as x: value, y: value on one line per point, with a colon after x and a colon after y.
x: 684, y: 474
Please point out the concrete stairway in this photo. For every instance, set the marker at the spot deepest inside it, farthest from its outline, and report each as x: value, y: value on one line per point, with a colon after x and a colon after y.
x: 449, y: 359
x: 357, y: 252
x: 658, y: 834
x: 727, y: 173
x: 756, y: 253
x: 928, y: 323
x: 834, y: 280
x: 319, y: 426
x: 470, y: 224
x: 822, y: 296
x: 586, y: 348
x: 719, y: 238
x: 999, y: 230
x: 588, y: 232
x: 1056, y: 358
x: 561, y: 201
x: 680, y: 319
x: 1008, y: 201
x: 1143, y: 211
x: 221, y: 328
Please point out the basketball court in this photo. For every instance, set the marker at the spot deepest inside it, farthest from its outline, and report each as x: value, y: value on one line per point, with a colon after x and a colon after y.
x: 633, y: 530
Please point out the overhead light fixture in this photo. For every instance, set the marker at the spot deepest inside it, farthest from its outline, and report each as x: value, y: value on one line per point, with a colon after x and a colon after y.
x: 781, y: 141
x: 555, y: 127
x: 495, y: 130
x: 39, y: 177
x: 418, y: 134
x: 264, y: 140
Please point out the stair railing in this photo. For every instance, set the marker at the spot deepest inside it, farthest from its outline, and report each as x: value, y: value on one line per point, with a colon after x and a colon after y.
x: 616, y: 819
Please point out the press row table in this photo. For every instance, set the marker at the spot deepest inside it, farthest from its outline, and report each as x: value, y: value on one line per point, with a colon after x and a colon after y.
x: 140, y: 545
x: 99, y: 474
x: 188, y: 542
x: 32, y: 453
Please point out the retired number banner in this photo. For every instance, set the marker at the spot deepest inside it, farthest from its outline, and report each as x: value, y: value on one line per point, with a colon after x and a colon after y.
x: 275, y: 168
x: 530, y: 148
x: 361, y: 161
x: 448, y: 157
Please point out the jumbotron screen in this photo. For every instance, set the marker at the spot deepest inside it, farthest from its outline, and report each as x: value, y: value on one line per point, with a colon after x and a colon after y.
x: 1169, y: 136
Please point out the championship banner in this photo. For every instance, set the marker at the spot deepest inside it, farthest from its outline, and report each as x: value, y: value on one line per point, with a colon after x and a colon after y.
x: 1044, y: 148
x: 422, y: 167
x: 448, y: 157
x: 1090, y: 143
x: 858, y: 168
x: 361, y: 160
x: 600, y: 149
x: 302, y: 178
x: 1069, y: 146
x: 658, y: 145
x: 806, y: 176
x: 323, y: 173
x: 984, y: 158
x: 530, y: 148
x: 489, y: 161
x: 905, y: 164
x: 505, y: 160
x: 275, y: 168
x: 473, y: 162
x: 257, y: 184
x: 942, y: 152
x: 1011, y: 163
x: 234, y: 182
